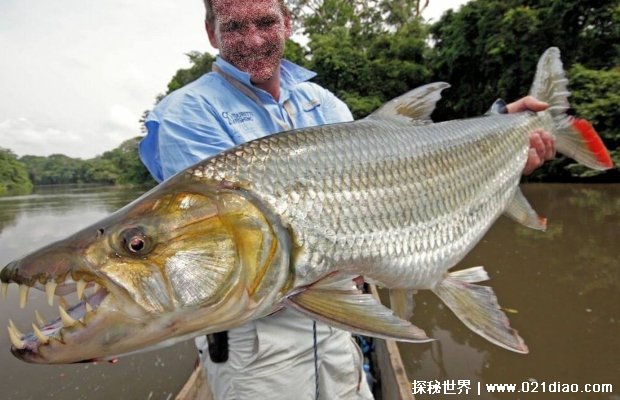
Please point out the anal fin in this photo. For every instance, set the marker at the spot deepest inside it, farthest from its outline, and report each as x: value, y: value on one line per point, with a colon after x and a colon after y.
x: 476, y: 306
x: 521, y: 211
x: 354, y: 311
x: 401, y: 301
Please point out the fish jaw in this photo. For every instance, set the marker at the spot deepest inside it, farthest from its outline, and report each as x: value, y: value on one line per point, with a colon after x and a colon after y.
x: 113, y: 328
x: 182, y: 260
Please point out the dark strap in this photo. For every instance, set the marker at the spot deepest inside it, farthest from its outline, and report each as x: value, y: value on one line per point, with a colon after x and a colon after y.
x: 316, y: 361
x: 218, y: 346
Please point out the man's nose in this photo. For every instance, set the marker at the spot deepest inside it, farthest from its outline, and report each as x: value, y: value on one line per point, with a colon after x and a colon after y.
x: 254, y: 36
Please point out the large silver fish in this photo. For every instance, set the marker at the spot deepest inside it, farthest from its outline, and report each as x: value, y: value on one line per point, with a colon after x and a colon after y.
x: 291, y: 220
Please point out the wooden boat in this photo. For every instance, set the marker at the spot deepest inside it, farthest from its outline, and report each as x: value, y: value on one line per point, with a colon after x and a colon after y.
x: 392, y: 384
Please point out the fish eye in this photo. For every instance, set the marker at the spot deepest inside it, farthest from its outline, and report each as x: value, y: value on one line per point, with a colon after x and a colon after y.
x: 136, y: 244
x: 135, y: 241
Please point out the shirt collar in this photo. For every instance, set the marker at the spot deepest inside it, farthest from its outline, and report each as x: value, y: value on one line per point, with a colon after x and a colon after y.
x: 290, y: 73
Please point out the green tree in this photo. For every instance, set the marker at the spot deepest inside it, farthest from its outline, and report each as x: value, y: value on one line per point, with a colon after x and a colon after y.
x: 35, y: 165
x: 365, y: 52
x: 53, y: 170
x: 201, y: 64
x: 489, y: 49
x: 127, y: 165
x: 100, y: 171
x: 119, y: 166
x: 369, y: 17
x: 13, y: 174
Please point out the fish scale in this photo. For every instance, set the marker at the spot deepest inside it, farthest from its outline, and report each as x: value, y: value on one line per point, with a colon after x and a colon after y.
x: 372, y: 177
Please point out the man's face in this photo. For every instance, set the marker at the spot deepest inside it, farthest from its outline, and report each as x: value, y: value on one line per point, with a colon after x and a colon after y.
x: 250, y: 35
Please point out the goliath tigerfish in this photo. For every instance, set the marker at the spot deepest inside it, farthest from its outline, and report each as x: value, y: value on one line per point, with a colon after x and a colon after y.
x: 293, y: 219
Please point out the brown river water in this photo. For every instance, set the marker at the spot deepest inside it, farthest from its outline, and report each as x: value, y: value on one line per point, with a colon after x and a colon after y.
x: 561, y: 290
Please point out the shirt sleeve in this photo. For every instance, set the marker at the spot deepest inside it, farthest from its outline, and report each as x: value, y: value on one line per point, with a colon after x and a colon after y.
x: 334, y: 109
x: 179, y: 136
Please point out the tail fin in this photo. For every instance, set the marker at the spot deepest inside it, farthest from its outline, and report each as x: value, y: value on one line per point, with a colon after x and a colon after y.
x: 575, y: 138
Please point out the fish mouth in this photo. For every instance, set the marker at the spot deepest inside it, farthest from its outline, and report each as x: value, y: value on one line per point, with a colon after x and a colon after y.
x: 73, y: 319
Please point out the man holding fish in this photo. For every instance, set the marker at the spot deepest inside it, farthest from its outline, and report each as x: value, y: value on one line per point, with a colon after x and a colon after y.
x: 252, y: 92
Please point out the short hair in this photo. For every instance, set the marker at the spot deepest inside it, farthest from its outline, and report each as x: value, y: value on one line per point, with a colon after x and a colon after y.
x: 210, y: 14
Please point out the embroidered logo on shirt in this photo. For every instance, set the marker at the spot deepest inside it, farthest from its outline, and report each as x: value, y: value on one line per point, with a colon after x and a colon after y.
x: 238, y: 117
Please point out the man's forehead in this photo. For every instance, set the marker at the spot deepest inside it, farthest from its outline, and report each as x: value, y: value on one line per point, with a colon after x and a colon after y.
x: 229, y: 9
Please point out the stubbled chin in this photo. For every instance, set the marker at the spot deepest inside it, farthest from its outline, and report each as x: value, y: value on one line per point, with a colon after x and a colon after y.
x: 261, y: 77
x: 261, y: 73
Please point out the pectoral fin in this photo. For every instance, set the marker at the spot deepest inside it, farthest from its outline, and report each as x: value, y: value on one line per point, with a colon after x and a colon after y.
x: 356, y: 312
x: 476, y: 306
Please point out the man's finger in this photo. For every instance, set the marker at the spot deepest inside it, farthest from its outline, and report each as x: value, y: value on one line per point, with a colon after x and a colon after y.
x: 532, y: 163
x: 549, y: 145
x: 537, y: 143
x: 527, y: 103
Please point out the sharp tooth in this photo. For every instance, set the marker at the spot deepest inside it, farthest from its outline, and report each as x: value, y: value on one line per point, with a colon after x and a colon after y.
x: 80, y: 286
x: 42, y: 338
x: 89, y: 308
x: 50, y: 288
x: 39, y: 318
x: 14, y: 328
x: 96, y: 287
x: 16, y: 339
x: 67, y: 320
x: 63, y: 302
x: 23, y: 295
x: 4, y: 289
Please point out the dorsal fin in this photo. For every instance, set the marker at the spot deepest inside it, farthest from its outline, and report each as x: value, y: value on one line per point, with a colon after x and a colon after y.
x: 417, y: 104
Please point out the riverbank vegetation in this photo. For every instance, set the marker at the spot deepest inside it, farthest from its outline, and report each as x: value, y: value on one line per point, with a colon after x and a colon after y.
x: 368, y: 52
x: 120, y: 166
x: 13, y: 175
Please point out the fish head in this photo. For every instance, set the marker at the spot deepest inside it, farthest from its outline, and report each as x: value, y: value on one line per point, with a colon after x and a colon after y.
x: 182, y: 260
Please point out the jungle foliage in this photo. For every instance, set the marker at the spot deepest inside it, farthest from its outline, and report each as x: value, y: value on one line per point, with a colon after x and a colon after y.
x: 13, y: 175
x: 489, y: 49
x: 120, y: 166
x: 368, y: 52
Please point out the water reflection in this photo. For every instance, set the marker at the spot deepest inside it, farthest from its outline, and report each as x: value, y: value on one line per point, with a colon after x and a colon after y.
x: 564, y: 286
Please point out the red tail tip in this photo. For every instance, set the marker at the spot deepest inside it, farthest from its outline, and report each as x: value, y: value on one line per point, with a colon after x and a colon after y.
x: 593, y: 140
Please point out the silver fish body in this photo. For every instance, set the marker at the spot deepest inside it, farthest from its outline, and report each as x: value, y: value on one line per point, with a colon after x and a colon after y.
x: 395, y: 202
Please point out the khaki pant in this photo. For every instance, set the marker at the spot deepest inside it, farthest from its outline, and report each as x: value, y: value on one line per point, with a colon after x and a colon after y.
x: 273, y: 358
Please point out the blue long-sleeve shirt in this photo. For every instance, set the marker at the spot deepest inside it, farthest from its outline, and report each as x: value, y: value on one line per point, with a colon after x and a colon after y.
x: 210, y: 115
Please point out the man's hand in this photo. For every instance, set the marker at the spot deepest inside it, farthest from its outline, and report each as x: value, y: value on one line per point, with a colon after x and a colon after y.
x: 542, y: 145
